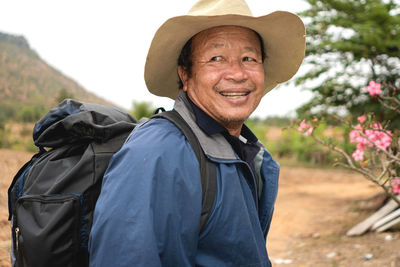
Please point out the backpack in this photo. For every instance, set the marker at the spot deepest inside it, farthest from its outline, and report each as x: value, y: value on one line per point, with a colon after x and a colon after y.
x: 51, y: 199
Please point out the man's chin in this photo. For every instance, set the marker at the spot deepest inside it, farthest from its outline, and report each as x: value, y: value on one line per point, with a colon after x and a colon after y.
x: 239, y: 120
x: 230, y: 122
x: 235, y: 117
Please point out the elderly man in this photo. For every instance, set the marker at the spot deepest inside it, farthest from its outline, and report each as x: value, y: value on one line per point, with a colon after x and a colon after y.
x: 148, y: 213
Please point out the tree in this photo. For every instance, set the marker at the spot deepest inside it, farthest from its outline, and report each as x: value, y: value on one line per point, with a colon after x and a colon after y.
x: 350, y: 42
x: 142, y: 109
x: 64, y: 94
x: 6, y: 112
x: 31, y: 113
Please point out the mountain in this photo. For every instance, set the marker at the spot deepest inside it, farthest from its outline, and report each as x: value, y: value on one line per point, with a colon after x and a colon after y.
x: 27, y: 80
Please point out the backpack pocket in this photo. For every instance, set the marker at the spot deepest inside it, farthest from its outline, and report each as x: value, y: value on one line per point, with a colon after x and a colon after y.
x: 47, y: 230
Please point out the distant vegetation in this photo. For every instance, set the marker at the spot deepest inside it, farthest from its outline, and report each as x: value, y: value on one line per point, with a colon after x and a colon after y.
x: 142, y: 109
x: 29, y: 86
x: 280, y: 137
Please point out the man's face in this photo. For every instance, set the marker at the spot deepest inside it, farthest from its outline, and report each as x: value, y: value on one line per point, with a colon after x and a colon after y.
x: 227, y: 80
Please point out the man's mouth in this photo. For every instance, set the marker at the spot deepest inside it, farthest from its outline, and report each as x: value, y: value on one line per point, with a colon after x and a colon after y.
x: 234, y: 94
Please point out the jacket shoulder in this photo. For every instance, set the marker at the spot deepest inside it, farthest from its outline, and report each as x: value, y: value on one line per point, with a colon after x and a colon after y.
x: 158, y: 132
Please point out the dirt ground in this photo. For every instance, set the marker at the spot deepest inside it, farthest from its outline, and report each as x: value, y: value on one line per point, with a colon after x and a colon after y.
x: 315, y: 208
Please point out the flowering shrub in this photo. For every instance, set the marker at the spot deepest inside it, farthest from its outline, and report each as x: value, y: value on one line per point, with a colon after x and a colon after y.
x: 374, y: 88
x: 396, y: 185
x: 377, y: 151
x: 375, y: 136
x: 305, y: 127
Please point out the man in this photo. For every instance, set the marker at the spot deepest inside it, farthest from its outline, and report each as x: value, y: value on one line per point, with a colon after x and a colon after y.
x: 148, y: 213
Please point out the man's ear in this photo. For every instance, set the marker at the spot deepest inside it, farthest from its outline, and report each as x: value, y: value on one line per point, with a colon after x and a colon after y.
x: 183, y: 76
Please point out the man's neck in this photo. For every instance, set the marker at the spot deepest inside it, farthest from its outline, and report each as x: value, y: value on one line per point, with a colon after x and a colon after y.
x: 234, y: 128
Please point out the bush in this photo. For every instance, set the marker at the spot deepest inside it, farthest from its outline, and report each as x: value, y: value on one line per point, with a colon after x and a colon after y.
x: 304, y: 149
x: 31, y: 113
x: 7, y: 112
x: 5, y: 141
x: 258, y: 128
x: 142, y: 109
x: 63, y: 94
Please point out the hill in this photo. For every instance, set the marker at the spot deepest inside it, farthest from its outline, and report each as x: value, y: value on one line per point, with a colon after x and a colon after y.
x: 28, y: 81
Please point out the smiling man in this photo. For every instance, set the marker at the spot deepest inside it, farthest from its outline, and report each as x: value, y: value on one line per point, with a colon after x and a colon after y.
x: 217, y: 62
x: 228, y: 74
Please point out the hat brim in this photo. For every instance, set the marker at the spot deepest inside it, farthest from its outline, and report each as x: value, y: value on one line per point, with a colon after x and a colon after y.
x: 283, y: 34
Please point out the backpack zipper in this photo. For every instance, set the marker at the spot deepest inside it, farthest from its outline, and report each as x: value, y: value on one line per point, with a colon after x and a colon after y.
x: 17, y: 238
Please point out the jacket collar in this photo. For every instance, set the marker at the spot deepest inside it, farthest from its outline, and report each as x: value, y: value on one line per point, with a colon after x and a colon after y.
x: 215, y: 145
x: 211, y: 126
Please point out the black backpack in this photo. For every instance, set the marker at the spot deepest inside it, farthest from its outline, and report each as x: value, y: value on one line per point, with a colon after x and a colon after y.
x: 52, y: 197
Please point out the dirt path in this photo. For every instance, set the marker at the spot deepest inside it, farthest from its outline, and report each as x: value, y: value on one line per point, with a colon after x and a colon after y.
x: 314, y: 209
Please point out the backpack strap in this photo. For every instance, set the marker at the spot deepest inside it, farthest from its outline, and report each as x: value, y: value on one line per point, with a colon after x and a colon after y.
x: 207, y: 168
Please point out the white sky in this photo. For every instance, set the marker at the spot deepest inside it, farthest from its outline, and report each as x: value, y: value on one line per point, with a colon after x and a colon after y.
x: 103, y: 44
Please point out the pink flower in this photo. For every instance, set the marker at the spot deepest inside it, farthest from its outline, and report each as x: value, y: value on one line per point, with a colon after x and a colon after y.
x: 355, y: 135
x: 358, y: 155
x: 386, y: 139
x: 361, y: 146
x: 372, y: 136
x: 396, y: 185
x: 377, y: 126
x: 303, y: 126
x: 362, y: 118
x: 374, y: 88
x: 358, y: 127
x: 382, y: 139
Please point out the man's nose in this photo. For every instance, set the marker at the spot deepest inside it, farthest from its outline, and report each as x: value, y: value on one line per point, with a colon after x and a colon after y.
x: 236, y: 71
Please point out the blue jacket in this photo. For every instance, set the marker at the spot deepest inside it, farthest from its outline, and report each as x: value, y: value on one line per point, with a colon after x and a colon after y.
x: 148, y: 213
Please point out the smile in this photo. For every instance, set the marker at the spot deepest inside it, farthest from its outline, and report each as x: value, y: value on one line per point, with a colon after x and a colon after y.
x: 234, y: 94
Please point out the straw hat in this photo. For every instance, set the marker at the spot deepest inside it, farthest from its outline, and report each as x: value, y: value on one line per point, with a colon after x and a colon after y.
x: 283, y: 34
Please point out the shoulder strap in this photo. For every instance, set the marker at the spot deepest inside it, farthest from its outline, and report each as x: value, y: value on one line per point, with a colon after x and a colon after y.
x: 207, y: 168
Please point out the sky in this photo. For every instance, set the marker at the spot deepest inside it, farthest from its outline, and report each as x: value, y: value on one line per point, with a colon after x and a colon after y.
x: 103, y: 45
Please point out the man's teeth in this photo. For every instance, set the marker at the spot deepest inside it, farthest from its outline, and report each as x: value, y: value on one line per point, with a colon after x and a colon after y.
x: 234, y: 94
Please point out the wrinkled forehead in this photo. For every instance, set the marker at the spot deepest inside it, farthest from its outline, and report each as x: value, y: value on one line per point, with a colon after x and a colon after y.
x: 223, y: 36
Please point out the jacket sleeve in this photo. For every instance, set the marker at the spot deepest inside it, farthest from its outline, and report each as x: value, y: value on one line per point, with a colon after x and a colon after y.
x: 148, y: 213
x: 270, y: 173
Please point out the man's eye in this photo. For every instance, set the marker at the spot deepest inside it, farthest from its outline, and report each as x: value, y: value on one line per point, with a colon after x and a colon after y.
x: 249, y: 59
x: 216, y: 58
